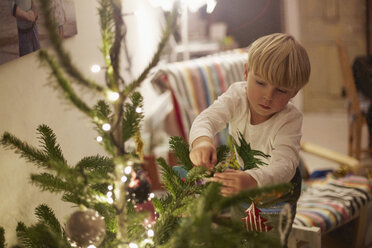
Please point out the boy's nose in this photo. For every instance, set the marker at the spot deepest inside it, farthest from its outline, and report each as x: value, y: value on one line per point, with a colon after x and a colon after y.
x: 268, y: 95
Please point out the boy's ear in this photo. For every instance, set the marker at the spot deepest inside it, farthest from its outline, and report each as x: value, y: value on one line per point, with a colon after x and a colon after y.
x: 245, y: 71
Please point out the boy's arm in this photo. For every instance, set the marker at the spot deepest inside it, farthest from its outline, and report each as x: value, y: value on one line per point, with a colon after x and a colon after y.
x: 285, y: 154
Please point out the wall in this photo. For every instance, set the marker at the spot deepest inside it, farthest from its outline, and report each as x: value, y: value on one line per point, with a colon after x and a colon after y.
x: 321, y: 23
x: 26, y: 101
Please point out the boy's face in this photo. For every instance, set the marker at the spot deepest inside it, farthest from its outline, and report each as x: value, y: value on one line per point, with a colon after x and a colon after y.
x: 264, y: 98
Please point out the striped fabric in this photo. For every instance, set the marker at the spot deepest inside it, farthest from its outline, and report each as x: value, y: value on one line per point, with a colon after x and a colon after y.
x: 329, y: 202
x: 196, y: 83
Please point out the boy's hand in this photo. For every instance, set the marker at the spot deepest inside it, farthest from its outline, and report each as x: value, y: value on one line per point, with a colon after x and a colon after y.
x: 234, y: 181
x: 203, y: 152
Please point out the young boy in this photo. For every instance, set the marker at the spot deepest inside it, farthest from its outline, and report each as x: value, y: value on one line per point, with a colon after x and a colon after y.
x: 277, y: 68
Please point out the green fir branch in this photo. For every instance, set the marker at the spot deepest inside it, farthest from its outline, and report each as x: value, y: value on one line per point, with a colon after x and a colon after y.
x: 102, y: 111
x: 46, y: 216
x: 180, y: 149
x: 107, y: 25
x: 115, y: 51
x: 108, y: 212
x: 132, y: 118
x: 63, y: 56
x: 30, y: 153
x: 39, y: 236
x: 171, y: 179
x: 49, y: 143
x: 53, y: 184
x: 65, y: 84
x: 248, y: 155
x: 196, y: 173
x: 100, y: 165
x: 222, y: 153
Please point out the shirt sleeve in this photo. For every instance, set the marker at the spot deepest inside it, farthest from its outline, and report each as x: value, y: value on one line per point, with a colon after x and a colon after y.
x: 285, y: 154
x: 213, y: 119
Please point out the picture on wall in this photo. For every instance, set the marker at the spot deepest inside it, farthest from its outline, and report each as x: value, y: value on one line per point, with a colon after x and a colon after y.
x: 22, y: 29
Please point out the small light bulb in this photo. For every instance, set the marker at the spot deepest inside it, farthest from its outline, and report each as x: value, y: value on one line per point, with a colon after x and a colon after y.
x: 99, y: 138
x: 139, y: 110
x: 110, y: 187
x: 113, y: 96
x: 151, y: 195
x: 150, y: 233
x: 110, y: 200
x: 95, y: 68
x: 128, y: 170
x: 106, y: 127
x: 109, y: 194
x: 133, y: 245
x: 124, y: 179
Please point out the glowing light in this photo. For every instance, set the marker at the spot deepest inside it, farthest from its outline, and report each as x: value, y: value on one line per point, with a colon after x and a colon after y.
x: 211, y: 4
x: 124, y: 179
x: 128, y: 170
x: 113, y: 96
x: 109, y: 194
x: 106, y: 127
x: 151, y: 195
x: 150, y: 233
x: 139, y: 110
x: 133, y: 245
x: 147, y: 241
x: 91, y: 246
x: 99, y: 139
x: 95, y: 68
x: 110, y: 200
x: 110, y: 187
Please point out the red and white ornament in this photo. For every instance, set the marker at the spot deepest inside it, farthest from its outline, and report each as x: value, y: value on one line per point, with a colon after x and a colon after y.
x: 253, y: 220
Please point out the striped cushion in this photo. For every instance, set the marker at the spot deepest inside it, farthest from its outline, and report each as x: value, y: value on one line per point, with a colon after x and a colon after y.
x: 329, y: 202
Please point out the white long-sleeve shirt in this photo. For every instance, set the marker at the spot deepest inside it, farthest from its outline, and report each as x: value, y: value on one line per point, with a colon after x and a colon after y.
x: 279, y: 136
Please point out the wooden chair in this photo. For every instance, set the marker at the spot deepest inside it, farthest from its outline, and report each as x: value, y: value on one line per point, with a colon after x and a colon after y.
x: 356, y: 117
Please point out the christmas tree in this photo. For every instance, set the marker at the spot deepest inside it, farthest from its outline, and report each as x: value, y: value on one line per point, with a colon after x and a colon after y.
x: 111, y: 190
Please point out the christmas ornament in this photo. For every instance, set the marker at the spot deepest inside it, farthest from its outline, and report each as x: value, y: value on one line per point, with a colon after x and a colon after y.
x: 86, y: 227
x: 253, y: 221
x: 139, y: 188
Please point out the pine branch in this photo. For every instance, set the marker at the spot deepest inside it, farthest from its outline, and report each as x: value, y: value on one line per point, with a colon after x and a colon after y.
x: 181, y: 150
x: 63, y: 56
x: 171, y: 180
x: 65, y: 84
x: 196, y: 173
x: 248, y: 154
x: 107, y: 30
x: 46, y: 216
x: 53, y: 184
x: 120, y: 30
x: 222, y: 153
x: 39, y: 236
x: 132, y: 117
x: 49, y: 143
x: 30, y: 153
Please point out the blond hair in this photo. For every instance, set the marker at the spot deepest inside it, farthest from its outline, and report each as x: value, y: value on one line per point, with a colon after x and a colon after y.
x: 280, y: 60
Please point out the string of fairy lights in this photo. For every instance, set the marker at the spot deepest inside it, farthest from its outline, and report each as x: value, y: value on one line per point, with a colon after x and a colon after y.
x: 125, y: 175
